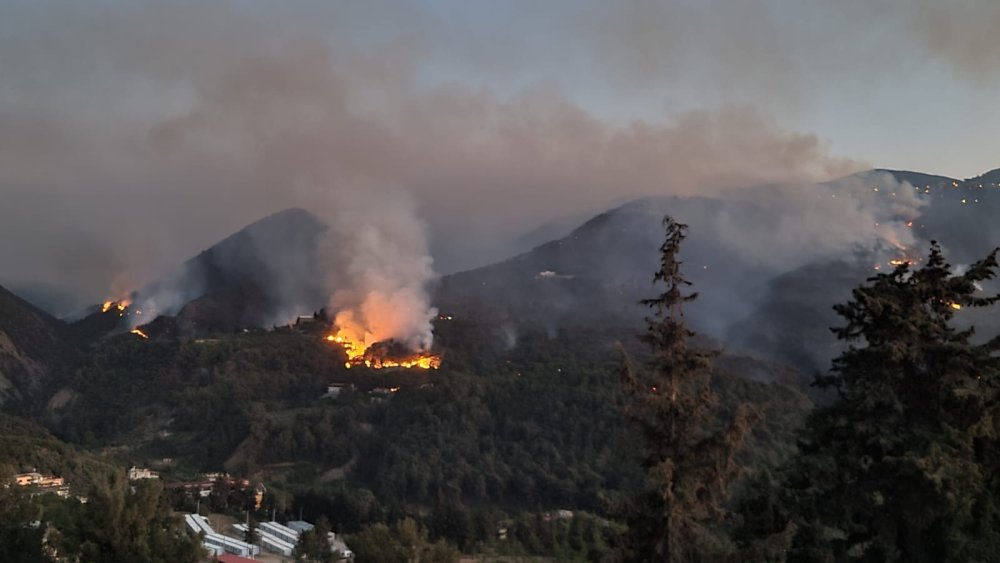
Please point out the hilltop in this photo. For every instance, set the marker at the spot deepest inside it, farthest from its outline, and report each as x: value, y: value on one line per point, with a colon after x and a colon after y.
x: 33, y: 349
x: 271, y: 270
x: 264, y: 272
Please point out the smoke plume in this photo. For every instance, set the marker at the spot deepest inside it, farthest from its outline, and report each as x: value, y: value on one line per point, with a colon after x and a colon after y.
x: 133, y: 136
x: 807, y: 222
x: 382, y: 270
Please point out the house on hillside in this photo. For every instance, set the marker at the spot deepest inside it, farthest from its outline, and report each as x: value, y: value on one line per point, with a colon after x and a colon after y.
x: 137, y: 473
x: 42, y: 483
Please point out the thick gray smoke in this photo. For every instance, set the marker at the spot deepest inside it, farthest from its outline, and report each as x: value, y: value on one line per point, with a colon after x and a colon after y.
x: 382, y: 269
x: 134, y: 136
x: 808, y: 222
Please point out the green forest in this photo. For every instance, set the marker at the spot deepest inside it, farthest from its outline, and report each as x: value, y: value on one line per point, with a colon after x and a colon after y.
x: 588, y: 443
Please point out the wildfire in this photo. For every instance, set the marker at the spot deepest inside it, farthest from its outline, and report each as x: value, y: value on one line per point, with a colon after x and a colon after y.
x: 903, y: 261
x: 139, y: 333
x: 382, y: 355
x: 120, y: 305
x: 956, y: 306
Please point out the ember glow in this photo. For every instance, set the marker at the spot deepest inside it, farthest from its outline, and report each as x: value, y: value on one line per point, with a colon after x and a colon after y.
x: 139, y: 333
x: 381, y: 355
x: 120, y: 305
x: 903, y: 260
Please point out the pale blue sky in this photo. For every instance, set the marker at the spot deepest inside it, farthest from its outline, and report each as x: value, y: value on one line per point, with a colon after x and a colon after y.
x: 895, y: 84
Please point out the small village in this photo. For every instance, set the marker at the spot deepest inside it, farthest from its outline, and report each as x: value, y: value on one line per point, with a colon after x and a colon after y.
x: 222, y: 537
x: 274, y: 541
x: 228, y: 540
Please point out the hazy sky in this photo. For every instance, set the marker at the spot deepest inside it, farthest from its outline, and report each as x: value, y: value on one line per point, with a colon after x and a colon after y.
x: 135, y: 134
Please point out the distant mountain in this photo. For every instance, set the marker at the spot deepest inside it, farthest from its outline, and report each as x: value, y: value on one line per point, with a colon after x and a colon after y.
x: 261, y: 273
x: 270, y: 263
x: 32, y: 349
x: 918, y: 179
x: 792, y: 321
x: 960, y: 214
x: 989, y: 179
x: 268, y: 272
x: 598, y: 272
x: 549, y: 231
x: 748, y: 300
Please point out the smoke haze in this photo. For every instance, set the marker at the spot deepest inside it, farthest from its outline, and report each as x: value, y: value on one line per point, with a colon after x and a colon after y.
x: 133, y: 135
x: 379, y: 267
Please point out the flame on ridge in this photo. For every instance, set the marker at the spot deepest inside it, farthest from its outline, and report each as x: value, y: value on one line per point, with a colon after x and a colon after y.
x: 376, y: 356
x: 121, y: 305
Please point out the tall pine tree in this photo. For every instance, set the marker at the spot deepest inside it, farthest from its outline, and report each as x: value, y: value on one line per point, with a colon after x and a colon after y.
x: 689, y: 452
x: 901, y: 466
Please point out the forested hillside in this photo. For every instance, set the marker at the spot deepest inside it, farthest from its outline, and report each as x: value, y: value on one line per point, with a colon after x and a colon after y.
x: 34, y: 352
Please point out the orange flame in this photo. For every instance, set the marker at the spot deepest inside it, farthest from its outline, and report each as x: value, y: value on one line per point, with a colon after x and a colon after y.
x: 140, y: 333
x: 121, y: 305
x: 360, y: 355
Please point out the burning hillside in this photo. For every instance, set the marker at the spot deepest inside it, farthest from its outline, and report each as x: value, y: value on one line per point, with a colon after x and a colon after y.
x: 384, y: 354
x: 379, y: 272
x: 119, y: 306
x: 122, y: 308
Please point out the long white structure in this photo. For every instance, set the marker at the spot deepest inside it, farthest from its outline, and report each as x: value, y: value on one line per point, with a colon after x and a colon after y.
x: 284, y: 532
x: 198, y: 524
x: 300, y: 526
x: 269, y: 541
x: 295, y: 528
x: 217, y: 542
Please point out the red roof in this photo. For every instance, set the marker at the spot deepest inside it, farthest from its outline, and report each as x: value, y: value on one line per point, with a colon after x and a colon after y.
x: 230, y: 558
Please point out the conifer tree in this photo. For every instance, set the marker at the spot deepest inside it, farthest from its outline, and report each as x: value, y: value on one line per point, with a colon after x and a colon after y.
x: 899, y: 467
x: 252, y: 533
x: 689, y: 452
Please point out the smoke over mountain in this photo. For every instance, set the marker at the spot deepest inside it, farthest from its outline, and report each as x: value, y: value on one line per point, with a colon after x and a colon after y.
x: 132, y: 136
x: 798, y: 223
x: 215, y: 119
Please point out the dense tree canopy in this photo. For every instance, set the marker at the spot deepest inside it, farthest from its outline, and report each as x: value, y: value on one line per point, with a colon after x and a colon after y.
x: 118, y: 523
x: 902, y: 465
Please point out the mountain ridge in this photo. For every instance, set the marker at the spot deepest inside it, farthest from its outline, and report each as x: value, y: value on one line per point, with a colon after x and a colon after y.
x: 33, y: 347
x: 267, y: 272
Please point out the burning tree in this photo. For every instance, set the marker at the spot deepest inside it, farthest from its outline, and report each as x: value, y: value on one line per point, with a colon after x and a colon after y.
x: 689, y: 451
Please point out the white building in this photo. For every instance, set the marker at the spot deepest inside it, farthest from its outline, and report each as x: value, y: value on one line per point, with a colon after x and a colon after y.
x: 137, y: 473
x: 216, y: 542
x: 284, y: 532
x: 269, y: 541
